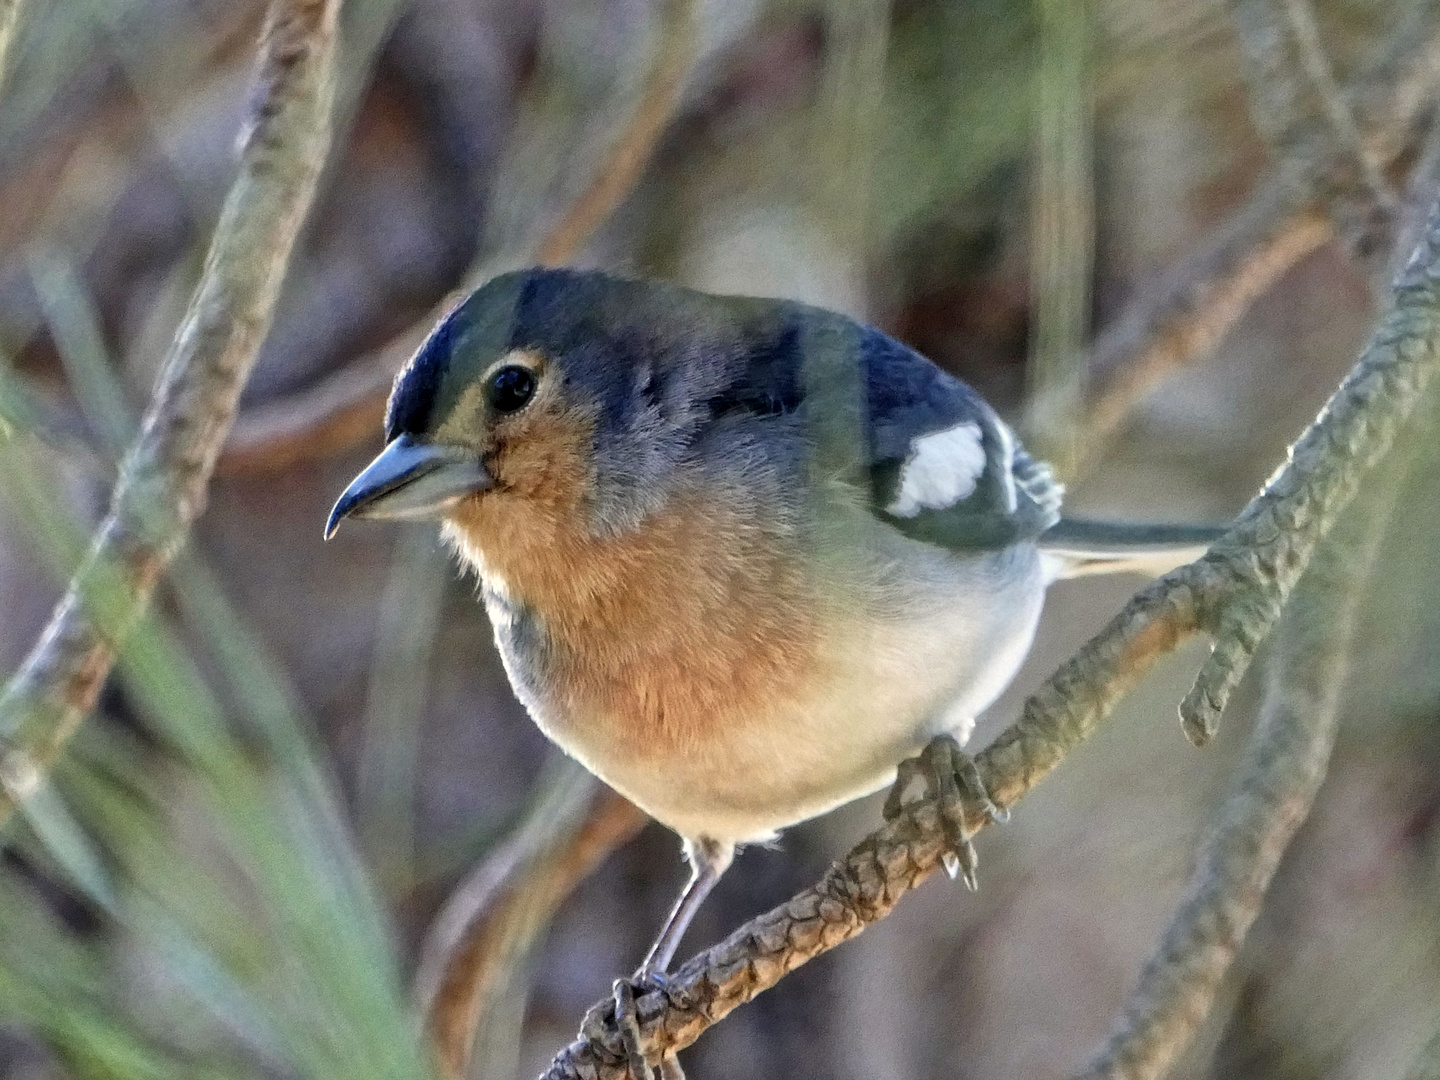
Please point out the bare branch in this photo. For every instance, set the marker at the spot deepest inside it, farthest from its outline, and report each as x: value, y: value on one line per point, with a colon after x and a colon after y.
x: 495, y: 917
x: 1278, y: 779
x: 345, y: 409
x: 1236, y: 591
x: 162, y: 484
x: 1198, y: 303
x: 1202, y: 298
x: 617, y: 175
x: 1346, y: 132
x: 1276, y: 534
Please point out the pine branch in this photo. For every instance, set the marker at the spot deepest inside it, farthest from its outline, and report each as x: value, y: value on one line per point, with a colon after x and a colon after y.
x: 1278, y: 779
x: 163, y: 481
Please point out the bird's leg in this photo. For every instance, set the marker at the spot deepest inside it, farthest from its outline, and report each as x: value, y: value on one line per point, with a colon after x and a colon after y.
x: 950, y: 777
x: 708, y: 860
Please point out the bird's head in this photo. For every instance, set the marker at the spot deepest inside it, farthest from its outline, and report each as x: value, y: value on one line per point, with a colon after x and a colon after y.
x: 575, y: 391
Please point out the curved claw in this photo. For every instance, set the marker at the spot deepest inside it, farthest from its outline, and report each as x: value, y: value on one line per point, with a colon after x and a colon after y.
x: 627, y: 1019
x: 952, y: 780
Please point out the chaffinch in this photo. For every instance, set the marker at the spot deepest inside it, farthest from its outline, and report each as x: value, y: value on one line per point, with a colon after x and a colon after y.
x: 743, y: 557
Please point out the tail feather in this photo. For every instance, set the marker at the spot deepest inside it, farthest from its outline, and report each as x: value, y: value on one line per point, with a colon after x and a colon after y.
x: 1078, y: 548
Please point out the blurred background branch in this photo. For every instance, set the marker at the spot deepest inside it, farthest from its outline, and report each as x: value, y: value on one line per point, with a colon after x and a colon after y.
x: 481, y: 945
x: 1288, y: 217
x: 1063, y: 231
x: 163, y: 480
x: 9, y: 22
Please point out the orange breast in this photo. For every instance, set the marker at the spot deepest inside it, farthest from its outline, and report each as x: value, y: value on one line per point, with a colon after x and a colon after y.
x: 662, y: 635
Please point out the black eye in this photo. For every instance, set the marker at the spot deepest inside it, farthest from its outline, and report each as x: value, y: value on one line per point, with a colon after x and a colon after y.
x: 510, y: 388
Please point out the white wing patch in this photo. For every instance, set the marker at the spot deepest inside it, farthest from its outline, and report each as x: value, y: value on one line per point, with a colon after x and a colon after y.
x: 1007, y: 466
x: 942, y: 469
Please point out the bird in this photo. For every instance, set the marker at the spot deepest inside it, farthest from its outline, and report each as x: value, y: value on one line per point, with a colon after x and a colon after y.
x: 745, y: 559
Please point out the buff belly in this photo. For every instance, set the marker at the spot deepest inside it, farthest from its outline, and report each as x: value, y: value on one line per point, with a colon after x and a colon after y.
x: 878, y: 686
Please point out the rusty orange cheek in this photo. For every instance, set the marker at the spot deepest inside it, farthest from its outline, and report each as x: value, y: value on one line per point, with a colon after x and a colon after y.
x: 545, y: 453
x: 536, y: 510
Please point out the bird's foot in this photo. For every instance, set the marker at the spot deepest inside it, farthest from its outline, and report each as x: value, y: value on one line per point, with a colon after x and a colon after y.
x: 950, y: 777
x: 625, y: 993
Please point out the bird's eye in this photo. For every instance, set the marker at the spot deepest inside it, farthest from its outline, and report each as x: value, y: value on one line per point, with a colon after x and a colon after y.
x: 510, y: 388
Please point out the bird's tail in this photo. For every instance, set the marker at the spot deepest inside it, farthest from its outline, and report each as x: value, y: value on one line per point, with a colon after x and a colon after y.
x: 1076, y: 548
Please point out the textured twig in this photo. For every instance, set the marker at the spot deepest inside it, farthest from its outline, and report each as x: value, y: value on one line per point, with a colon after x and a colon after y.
x: 492, y: 921
x: 1423, y: 181
x: 1278, y: 779
x: 1280, y: 775
x: 1237, y: 588
x: 1273, y: 538
x: 345, y: 409
x: 162, y: 484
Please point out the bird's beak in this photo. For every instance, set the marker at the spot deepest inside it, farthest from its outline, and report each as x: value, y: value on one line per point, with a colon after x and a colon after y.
x: 410, y: 480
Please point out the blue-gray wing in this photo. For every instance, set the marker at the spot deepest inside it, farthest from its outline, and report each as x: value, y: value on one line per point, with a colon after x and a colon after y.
x: 934, y: 460
x: 943, y: 466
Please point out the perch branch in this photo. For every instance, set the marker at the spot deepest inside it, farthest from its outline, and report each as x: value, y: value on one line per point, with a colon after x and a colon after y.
x: 1278, y: 780
x: 346, y: 408
x: 496, y: 915
x: 162, y: 483
x: 1234, y: 592
x: 1281, y: 773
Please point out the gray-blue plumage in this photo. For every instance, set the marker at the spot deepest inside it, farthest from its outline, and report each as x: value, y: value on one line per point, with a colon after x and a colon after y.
x: 670, y: 371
